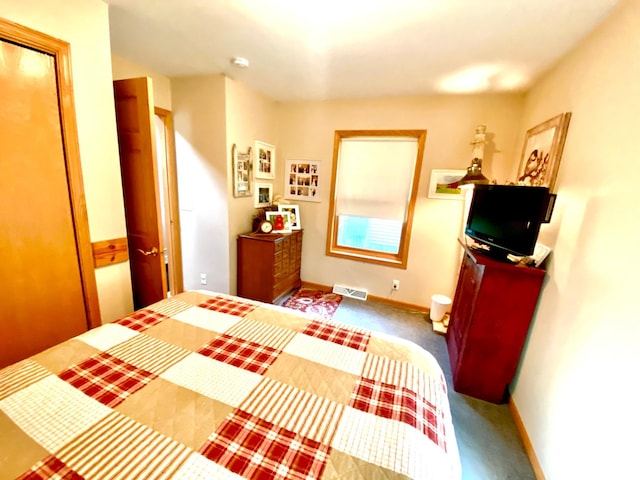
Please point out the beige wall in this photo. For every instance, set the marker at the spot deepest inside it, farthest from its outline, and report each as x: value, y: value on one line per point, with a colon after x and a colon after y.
x: 577, y: 385
x: 305, y: 131
x: 122, y: 69
x: 202, y: 161
x: 250, y: 116
x: 84, y: 24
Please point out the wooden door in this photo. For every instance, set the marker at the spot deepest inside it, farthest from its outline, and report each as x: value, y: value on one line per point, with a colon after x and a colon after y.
x: 135, y: 119
x: 42, y: 268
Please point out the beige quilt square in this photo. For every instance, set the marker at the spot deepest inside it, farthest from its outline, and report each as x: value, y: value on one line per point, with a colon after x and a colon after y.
x: 327, y: 353
x: 20, y: 453
x: 403, y: 351
x: 208, y: 319
x: 60, y: 357
x: 342, y: 465
x: 312, y: 377
x: 189, y: 337
x: 177, y: 412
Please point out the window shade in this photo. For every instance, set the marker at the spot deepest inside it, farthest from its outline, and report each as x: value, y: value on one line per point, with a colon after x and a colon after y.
x: 375, y: 177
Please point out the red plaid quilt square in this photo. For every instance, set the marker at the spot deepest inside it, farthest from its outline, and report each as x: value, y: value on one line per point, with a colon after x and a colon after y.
x: 254, y: 448
x: 240, y: 353
x: 226, y: 305
x: 341, y: 336
x: 141, y: 320
x: 106, y: 378
x: 401, y: 404
x: 50, y: 467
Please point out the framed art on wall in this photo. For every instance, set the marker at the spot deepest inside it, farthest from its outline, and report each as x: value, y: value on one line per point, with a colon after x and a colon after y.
x: 241, y: 168
x: 444, y: 184
x: 302, y: 180
x: 265, y: 160
x: 542, y: 151
x: 264, y: 194
x: 294, y: 215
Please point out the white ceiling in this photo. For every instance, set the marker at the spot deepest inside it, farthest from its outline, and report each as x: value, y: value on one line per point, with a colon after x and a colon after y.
x: 320, y: 49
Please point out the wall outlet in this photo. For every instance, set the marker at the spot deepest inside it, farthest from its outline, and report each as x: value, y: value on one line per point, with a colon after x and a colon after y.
x: 395, y: 285
x: 203, y: 279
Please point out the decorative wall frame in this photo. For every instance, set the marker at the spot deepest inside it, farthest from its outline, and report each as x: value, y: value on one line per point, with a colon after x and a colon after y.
x: 302, y: 180
x: 294, y: 215
x: 263, y: 195
x: 542, y: 151
x: 286, y: 220
x: 444, y: 184
x: 241, y: 168
x: 265, y: 162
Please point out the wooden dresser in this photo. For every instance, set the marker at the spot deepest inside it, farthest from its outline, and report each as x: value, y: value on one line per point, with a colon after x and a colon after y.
x: 490, y: 318
x: 269, y: 265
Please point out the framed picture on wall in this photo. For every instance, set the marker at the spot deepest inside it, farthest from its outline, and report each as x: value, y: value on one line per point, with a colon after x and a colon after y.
x: 265, y: 160
x: 302, y: 180
x: 542, y: 151
x: 241, y: 168
x: 263, y: 195
x: 444, y: 184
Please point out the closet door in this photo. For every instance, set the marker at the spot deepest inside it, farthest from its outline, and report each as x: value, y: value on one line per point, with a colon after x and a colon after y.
x: 42, y: 300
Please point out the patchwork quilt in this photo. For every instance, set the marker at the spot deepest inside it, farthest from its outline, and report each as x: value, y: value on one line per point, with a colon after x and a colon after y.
x: 211, y: 386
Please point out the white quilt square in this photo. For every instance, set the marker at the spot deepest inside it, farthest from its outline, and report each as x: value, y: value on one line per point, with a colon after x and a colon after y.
x: 327, y: 353
x: 198, y: 467
x: 107, y: 336
x: 214, y: 379
x: 65, y: 414
x: 208, y: 319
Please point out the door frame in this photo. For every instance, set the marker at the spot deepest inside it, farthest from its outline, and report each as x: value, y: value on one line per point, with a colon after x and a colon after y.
x: 60, y: 51
x: 176, y: 282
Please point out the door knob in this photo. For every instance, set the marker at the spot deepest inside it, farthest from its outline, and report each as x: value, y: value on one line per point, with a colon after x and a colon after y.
x: 153, y: 251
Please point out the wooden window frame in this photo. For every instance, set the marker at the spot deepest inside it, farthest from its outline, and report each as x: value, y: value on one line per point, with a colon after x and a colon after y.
x: 400, y: 259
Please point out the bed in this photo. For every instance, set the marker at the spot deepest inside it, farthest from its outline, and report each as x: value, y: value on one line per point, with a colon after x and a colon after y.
x: 211, y: 386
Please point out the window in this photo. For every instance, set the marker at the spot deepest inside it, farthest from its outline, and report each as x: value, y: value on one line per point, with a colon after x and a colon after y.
x: 373, y: 192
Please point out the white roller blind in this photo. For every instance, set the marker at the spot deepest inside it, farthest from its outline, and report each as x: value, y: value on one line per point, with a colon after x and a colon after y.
x: 374, y: 176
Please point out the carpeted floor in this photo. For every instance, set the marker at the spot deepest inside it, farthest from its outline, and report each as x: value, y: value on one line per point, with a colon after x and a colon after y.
x: 490, y: 446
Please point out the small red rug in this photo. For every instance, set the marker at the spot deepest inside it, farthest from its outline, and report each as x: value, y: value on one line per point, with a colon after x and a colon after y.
x: 314, y: 301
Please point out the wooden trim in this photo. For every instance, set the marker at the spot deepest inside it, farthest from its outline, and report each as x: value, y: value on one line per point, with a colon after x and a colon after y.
x: 176, y: 277
x: 388, y: 301
x: 399, y: 260
x: 60, y: 50
x: 109, y: 252
x: 528, y: 447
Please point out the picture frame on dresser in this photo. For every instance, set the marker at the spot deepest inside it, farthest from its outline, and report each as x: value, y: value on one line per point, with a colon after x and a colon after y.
x: 294, y: 215
x: 273, y: 218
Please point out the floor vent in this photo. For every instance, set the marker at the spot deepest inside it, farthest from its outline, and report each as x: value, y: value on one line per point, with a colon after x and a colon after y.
x: 356, y: 293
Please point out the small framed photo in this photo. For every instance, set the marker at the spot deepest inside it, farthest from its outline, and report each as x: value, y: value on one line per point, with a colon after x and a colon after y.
x: 241, y: 168
x: 285, y: 226
x: 294, y: 215
x: 263, y: 195
x: 444, y: 184
x: 265, y: 166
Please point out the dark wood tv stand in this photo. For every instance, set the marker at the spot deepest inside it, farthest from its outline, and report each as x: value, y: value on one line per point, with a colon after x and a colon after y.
x: 490, y: 317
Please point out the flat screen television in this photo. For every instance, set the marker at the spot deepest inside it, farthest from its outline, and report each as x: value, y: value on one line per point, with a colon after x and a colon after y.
x: 507, y: 218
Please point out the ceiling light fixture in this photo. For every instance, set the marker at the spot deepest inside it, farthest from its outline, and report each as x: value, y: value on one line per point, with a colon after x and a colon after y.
x: 240, y: 62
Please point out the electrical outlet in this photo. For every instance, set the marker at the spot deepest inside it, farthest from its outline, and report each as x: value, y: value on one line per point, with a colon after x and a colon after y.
x: 395, y: 285
x: 203, y: 279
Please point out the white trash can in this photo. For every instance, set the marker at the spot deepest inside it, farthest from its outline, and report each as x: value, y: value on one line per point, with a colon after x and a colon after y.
x: 439, y: 306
